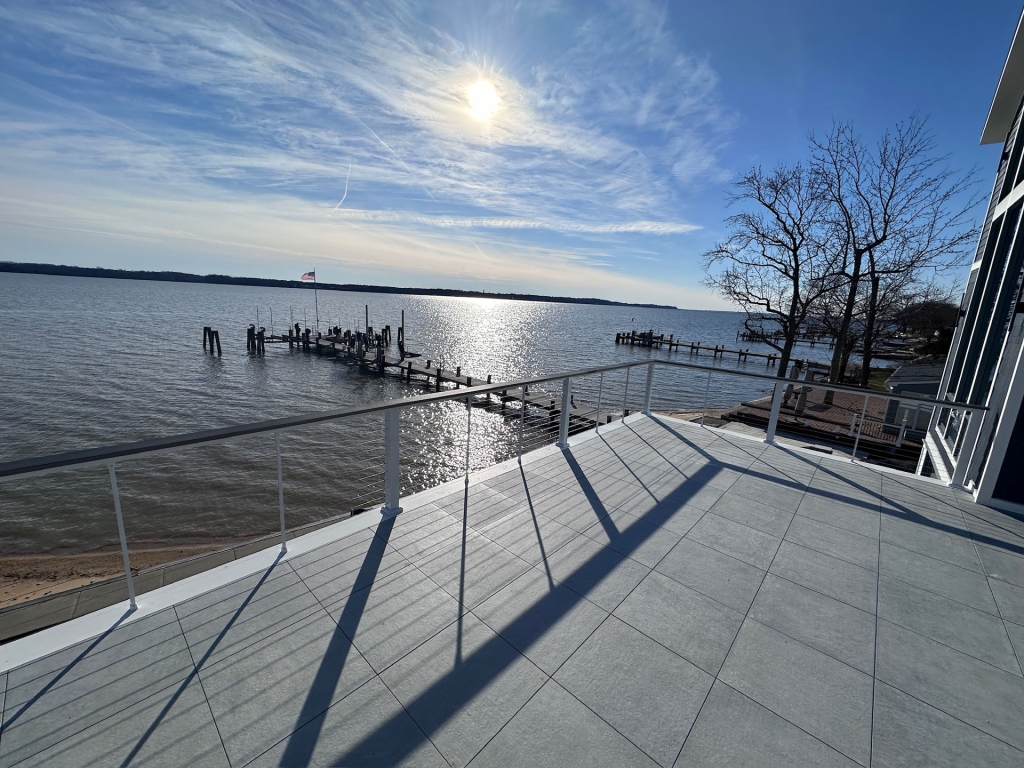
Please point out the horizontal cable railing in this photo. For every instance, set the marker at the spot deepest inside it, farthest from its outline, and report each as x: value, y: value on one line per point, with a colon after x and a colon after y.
x: 107, y: 454
x: 513, y: 418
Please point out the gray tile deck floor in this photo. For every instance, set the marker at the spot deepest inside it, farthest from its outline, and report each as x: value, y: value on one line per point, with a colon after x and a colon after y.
x: 658, y: 595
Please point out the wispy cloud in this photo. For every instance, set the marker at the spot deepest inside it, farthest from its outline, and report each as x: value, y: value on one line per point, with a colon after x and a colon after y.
x: 506, y: 222
x: 272, y: 106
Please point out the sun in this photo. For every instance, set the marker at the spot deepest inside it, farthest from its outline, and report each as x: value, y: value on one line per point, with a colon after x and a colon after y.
x: 483, y: 100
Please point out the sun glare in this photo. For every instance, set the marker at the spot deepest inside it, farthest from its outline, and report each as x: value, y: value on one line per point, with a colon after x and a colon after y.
x: 483, y: 100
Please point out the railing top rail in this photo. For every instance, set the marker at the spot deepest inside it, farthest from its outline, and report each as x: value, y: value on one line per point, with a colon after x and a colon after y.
x: 109, y: 454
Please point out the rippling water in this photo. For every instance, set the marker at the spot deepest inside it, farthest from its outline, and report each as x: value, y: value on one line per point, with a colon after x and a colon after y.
x: 86, y: 362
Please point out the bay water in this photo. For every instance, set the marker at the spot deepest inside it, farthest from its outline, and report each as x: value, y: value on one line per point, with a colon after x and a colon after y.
x: 87, y: 362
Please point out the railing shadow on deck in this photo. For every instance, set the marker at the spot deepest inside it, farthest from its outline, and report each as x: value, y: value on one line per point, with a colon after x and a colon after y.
x: 456, y: 689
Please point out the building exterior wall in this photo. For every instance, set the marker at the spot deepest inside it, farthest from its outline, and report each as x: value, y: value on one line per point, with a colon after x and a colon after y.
x: 986, y: 352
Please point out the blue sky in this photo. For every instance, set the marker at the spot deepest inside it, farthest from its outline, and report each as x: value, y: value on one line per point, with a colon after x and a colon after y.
x: 266, y: 139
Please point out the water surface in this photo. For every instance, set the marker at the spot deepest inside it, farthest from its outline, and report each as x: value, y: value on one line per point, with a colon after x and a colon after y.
x: 86, y: 362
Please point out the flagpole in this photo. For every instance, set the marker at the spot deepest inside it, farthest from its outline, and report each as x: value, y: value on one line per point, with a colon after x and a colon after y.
x: 316, y: 304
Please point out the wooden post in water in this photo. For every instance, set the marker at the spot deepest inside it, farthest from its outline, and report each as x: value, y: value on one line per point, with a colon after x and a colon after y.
x: 206, y: 332
x: 216, y: 337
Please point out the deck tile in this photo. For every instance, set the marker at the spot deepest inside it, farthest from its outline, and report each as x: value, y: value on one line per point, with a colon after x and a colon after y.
x: 815, y: 692
x: 543, y: 619
x: 953, y: 682
x: 169, y: 729
x: 734, y: 730
x: 708, y: 571
x: 555, y: 730
x: 462, y: 686
x: 740, y: 541
x: 828, y: 575
x: 977, y: 634
x: 908, y: 728
x: 646, y: 692
x: 832, y: 627
x: 66, y: 693
x: 696, y: 627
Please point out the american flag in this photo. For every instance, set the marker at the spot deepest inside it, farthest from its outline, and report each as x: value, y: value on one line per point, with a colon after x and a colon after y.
x: 309, y: 276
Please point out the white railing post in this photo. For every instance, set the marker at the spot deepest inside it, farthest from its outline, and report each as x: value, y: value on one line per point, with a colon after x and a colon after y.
x: 563, y: 423
x: 522, y: 419
x: 280, y: 491
x: 124, y: 540
x: 600, y: 390
x: 707, y: 391
x: 625, y: 393
x: 773, y: 420
x: 469, y: 427
x: 860, y: 426
x: 392, y: 464
x: 963, y: 458
x: 647, y: 392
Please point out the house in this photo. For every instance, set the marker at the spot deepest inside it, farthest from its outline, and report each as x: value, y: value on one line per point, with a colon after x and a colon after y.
x: 983, y: 451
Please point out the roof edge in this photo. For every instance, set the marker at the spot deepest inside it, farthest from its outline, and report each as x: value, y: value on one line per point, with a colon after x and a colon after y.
x: 1008, y: 93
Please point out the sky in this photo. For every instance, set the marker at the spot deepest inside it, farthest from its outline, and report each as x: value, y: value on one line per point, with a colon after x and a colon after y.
x: 560, y: 148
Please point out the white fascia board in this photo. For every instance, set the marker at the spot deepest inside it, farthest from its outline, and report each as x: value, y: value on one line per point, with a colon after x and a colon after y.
x: 1008, y: 92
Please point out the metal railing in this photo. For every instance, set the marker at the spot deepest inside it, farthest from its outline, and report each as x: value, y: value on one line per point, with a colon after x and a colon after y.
x: 110, y: 456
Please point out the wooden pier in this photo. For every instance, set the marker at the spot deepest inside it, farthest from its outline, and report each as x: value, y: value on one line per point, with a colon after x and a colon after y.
x: 804, y: 337
x: 658, y: 341
x: 372, y: 353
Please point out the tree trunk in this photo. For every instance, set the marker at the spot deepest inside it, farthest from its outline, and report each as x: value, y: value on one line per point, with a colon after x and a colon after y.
x: 837, y: 368
x: 793, y: 326
x: 846, y: 359
x: 786, y: 354
x: 869, y: 331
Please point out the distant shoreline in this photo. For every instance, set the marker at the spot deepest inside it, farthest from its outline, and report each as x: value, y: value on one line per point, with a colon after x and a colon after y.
x: 185, y: 277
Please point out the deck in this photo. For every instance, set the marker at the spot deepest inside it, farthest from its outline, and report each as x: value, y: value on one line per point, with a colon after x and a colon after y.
x: 661, y: 594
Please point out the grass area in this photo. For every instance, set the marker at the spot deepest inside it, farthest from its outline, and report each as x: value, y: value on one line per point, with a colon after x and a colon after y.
x: 877, y: 379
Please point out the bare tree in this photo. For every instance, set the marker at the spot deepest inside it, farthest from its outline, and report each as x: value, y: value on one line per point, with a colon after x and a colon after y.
x: 830, y: 315
x: 777, y: 261
x: 902, y: 209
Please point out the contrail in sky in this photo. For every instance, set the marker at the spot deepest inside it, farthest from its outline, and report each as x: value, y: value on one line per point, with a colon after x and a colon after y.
x: 346, y: 187
x: 397, y: 157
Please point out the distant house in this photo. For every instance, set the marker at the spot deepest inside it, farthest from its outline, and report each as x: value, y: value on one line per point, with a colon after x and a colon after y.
x: 985, y: 366
x: 917, y: 378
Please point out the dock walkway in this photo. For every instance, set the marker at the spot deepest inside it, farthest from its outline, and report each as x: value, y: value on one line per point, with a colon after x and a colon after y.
x: 658, y: 341
x: 410, y: 368
x: 658, y: 595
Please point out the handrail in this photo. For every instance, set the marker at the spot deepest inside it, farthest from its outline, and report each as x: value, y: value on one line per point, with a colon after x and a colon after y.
x: 40, y: 465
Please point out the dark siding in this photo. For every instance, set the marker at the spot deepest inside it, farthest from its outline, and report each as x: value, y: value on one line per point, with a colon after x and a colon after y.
x: 1010, y: 160
x: 1010, y: 485
x: 958, y: 380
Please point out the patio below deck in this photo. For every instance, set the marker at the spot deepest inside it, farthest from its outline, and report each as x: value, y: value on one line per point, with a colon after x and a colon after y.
x: 658, y: 594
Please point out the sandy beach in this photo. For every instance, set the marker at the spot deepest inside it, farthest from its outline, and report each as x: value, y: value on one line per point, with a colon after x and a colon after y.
x: 28, y: 577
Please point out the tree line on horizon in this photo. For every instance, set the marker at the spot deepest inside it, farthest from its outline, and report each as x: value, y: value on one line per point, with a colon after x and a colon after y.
x: 853, y: 241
